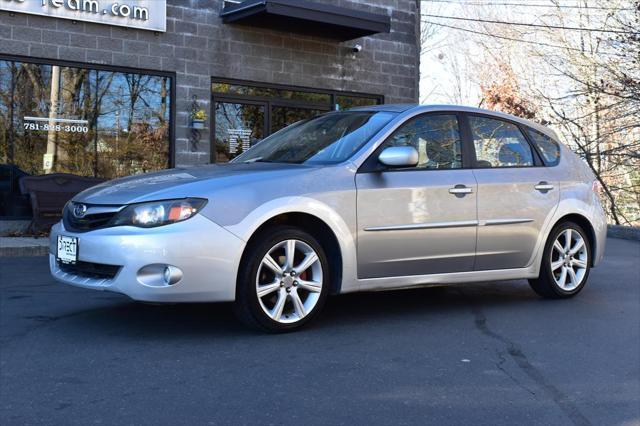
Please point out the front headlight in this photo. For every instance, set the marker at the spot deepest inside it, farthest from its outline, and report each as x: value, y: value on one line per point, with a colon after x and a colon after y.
x: 158, y: 213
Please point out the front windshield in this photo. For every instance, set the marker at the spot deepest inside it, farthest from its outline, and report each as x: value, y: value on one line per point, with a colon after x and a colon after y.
x: 328, y: 139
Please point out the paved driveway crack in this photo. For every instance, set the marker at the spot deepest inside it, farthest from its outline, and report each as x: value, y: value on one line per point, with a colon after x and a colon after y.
x: 515, y: 352
x: 500, y: 366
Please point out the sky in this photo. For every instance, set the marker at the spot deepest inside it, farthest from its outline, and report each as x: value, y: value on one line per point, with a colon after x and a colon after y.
x: 441, y: 52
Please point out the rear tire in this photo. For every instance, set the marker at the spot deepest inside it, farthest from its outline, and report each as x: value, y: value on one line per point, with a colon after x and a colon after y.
x: 566, y: 263
x: 283, y: 281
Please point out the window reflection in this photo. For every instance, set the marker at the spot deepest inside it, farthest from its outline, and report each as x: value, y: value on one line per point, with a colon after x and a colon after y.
x: 436, y: 138
x: 6, y: 101
x: 345, y: 102
x: 238, y: 127
x: 499, y: 143
x: 245, y: 113
x: 80, y: 121
x: 548, y: 148
x: 282, y: 116
x: 270, y: 92
x: 328, y: 139
x: 132, y: 122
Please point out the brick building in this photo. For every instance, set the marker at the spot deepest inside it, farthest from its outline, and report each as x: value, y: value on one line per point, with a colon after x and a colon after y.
x: 100, y: 88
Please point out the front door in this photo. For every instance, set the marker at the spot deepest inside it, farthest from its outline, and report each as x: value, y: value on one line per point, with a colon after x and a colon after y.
x: 238, y: 126
x: 420, y: 220
x: 515, y: 195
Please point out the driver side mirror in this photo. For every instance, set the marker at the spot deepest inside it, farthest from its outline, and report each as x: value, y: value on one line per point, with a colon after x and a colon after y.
x: 399, y: 156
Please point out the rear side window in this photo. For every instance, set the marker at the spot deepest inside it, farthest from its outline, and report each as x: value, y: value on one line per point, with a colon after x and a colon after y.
x: 548, y: 148
x: 499, y: 143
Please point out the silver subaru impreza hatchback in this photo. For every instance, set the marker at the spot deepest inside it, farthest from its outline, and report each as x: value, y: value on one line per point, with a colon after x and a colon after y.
x: 375, y: 198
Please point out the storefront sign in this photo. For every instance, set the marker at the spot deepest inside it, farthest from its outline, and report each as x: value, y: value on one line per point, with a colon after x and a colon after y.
x: 141, y: 14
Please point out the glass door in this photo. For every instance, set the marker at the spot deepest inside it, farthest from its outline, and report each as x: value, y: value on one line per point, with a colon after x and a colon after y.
x: 238, y: 126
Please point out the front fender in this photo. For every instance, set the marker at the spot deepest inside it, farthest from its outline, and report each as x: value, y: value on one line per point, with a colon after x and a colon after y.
x: 344, y: 233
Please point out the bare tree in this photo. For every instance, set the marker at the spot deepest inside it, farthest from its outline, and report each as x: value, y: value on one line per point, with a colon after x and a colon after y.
x: 577, y: 69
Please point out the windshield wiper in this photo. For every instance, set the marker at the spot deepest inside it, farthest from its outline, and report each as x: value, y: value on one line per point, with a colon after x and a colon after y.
x: 262, y: 160
x: 256, y: 160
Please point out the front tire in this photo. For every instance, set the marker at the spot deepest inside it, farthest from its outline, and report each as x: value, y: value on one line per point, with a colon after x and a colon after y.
x: 283, y: 280
x: 566, y: 263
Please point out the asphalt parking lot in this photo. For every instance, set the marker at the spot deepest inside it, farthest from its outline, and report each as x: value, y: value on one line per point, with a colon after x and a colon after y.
x: 491, y: 353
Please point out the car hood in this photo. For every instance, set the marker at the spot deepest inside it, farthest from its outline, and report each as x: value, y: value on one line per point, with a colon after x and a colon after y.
x: 184, y: 182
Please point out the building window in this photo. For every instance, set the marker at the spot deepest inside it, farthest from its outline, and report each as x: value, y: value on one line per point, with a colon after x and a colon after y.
x: 87, y: 122
x: 244, y: 113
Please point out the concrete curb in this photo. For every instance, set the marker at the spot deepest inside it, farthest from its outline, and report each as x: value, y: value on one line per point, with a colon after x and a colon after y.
x: 624, y: 232
x: 23, y: 246
x: 23, y: 251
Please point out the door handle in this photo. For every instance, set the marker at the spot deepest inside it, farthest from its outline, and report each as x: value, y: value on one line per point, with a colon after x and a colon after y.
x: 543, y: 187
x: 460, y: 190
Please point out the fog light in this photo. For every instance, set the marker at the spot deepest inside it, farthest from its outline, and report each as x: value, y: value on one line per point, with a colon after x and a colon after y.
x: 159, y: 275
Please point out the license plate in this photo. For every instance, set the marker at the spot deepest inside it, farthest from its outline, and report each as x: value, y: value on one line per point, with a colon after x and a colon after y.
x: 67, y: 249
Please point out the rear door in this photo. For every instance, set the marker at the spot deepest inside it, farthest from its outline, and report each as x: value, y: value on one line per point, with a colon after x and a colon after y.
x: 418, y: 220
x: 516, y: 193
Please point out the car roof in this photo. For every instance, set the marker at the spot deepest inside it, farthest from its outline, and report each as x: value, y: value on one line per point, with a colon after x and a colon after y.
x: 401, y: 108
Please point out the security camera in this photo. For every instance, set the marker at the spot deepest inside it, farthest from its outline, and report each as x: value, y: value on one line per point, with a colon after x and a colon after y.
x: 356, y: 48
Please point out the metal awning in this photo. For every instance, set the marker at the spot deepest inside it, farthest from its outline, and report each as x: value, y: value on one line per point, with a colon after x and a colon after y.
x: 306, y: 17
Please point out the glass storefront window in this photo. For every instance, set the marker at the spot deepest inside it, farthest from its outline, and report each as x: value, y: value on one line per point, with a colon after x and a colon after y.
x: 283, y: 116
x: 345, y: 102
x: 272, y: 93
x: 51, y: 131
x: 82, y: 121
x: 133, y: 123
x: 256, y: 111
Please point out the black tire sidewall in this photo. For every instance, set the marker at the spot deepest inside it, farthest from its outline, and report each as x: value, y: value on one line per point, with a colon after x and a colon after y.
x: 246, y: 294
x: 546, y: 263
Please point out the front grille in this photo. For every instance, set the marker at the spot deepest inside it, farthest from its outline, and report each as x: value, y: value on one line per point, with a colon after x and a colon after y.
x: 90, y: 270
x: 89, y: 222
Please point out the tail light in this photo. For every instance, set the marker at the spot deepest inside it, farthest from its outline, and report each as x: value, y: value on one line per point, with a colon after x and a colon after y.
x: 596, y: 187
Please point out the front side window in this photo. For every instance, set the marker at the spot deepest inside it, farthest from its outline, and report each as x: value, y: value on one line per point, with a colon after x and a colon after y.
x: 548, y: 148
x: 327, y: 139
x: 435, y: 137
x: 499, y: 143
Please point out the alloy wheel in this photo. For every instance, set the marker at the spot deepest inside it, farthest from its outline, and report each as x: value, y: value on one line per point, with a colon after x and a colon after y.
x: 569, y: 259
x: 289, y: 281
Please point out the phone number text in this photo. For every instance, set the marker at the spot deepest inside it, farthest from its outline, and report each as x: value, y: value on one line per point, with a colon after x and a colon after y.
x: 56, y: 127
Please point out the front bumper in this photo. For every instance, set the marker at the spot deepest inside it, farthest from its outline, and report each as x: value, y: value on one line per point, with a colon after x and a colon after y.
x: 207, y: 254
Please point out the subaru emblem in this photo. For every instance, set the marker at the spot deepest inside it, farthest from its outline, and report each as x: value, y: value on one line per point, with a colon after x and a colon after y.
x: 79, y: 210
